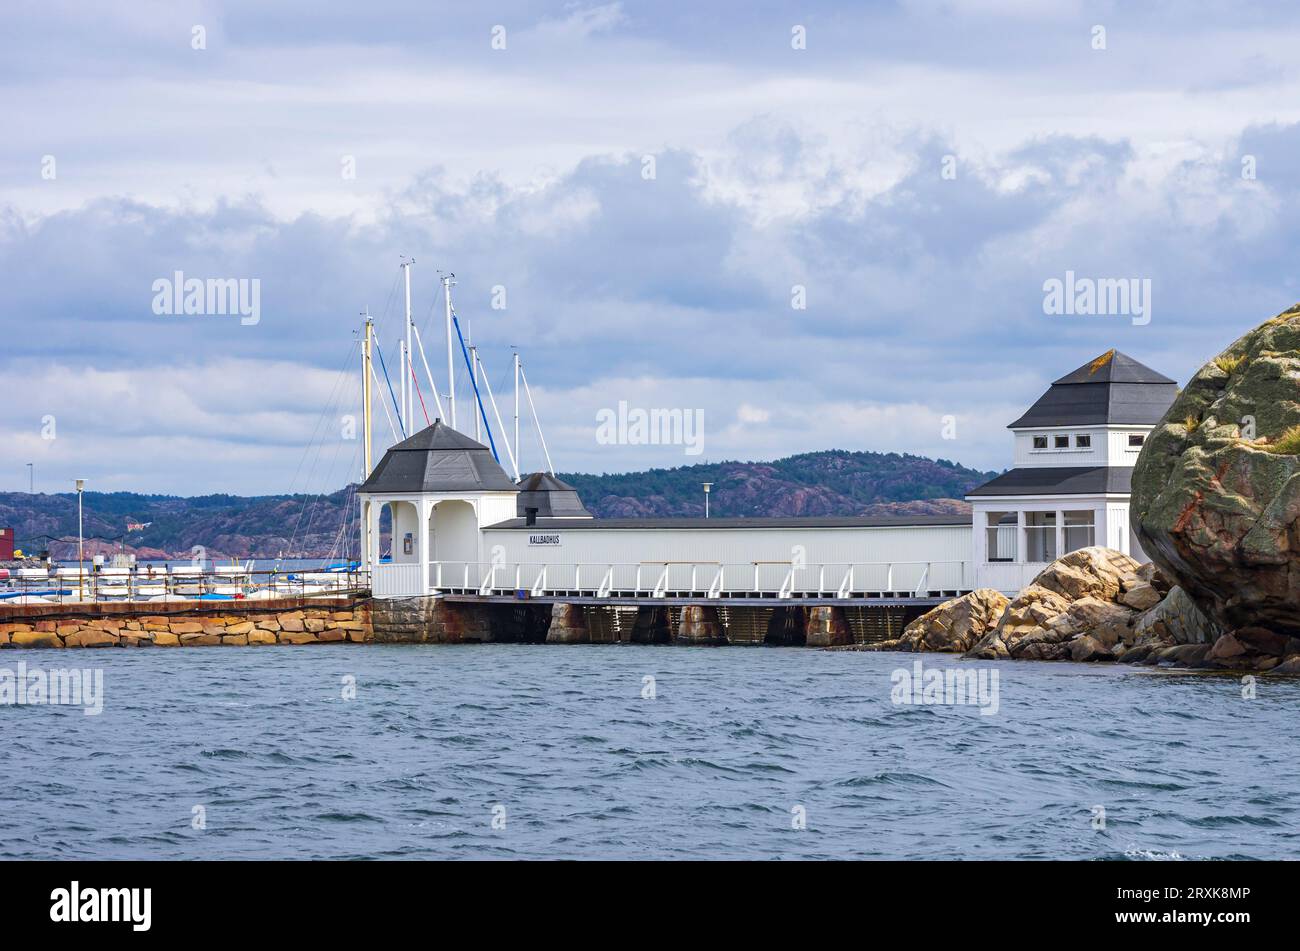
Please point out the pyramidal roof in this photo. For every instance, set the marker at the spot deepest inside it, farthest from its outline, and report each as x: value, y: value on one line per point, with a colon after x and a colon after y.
x: 1114, y: 367
x: 1113, y: 389
x: 549, y: 497
x: 438, y: 459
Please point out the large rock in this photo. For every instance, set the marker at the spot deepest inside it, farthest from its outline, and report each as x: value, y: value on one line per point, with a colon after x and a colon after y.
x: 1175, y: 620
x: 954, y: 625
x: 1216, y: 489
x: 1075, y: 597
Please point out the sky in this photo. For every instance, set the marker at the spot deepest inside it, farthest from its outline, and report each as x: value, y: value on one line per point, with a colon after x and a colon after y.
x: 803, y: 226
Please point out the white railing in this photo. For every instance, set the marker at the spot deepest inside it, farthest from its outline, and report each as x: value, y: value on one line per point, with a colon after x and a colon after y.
x: 396, y: 581
x: 690, y: 579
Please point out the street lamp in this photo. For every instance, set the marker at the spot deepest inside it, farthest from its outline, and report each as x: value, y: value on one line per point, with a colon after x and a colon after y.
x: 707, y: 487
x: 81, y: 541
x: 31, y: 472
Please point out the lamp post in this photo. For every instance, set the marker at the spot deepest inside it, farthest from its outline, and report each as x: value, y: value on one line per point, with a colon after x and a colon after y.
x: 31, y: 473
x: 707, y: 486
x: 81, y: 541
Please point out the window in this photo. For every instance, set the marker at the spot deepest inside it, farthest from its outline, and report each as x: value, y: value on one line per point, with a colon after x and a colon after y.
x: 1002, y: 529
x: 1040, y: 442
x: 1082, y: 441
x: 1079, y: 530
x: 1062, y: 442
x: 1135, y: 440
x: 1040, y: 536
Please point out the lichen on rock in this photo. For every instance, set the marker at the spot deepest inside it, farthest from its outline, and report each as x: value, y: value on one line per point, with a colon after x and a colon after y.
x: 1216, y: 489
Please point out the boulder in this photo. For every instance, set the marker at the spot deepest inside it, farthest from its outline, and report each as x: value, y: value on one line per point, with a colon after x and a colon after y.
x: 1074, y: 597
x: 1175, y: 620
x: 90, y: 637
x: 954, y: 625
x: 1088, y: 647
x: 1216, y: 489
x: 1289, y: 665
x: 297, y: 637
x: 35, y: 639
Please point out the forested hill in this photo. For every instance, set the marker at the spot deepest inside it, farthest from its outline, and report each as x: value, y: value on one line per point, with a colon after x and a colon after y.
x: 817, y: 483
x: 834, y: 482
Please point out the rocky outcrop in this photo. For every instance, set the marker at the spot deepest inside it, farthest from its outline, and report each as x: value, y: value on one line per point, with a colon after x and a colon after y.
x: 1073, y: 610
x: 1174, y: 621
x: 953, y: 626
x: 1216, y: 490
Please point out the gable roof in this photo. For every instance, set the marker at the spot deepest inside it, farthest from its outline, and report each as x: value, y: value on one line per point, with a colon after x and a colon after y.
x: 1113, y: 389
x: 438, y: 459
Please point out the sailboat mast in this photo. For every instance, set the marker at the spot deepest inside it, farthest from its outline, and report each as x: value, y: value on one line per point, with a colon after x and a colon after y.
x: 473, y: 353
x: 451, y: 364
x: 408, y: 397
x: 516, y: 407
x: 367, y: 393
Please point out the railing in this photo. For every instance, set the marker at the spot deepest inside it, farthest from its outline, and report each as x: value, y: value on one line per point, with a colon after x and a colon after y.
x: 686, y: 579
x: 179, y: 583
x: 397, y: 581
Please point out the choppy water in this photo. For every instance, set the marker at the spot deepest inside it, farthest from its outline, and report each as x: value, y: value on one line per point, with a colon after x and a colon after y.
x: 439, y: 737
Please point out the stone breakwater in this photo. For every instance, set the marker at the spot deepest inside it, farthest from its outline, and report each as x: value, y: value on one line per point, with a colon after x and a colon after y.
x: 289, y: 621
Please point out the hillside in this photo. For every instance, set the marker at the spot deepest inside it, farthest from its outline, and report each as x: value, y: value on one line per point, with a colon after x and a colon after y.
x: 834, y: 482
x: 819, y: 483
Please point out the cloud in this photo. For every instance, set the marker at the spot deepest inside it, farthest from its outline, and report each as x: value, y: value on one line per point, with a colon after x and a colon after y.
x: 656, y: 196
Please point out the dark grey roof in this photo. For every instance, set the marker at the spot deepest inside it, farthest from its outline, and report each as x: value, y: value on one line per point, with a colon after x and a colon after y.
x: 1113, y: 389
x: 1115, y: 367
x: 438, y: 459
x: 831, y: 521
x: 551, y: 497
x: 1066, y: 480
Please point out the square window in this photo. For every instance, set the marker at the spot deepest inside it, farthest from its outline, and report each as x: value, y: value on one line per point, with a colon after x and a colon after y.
x: 1082, y: 442
x: 1040, y: 442
x: 1135, y: 440
x: 1062, y: 442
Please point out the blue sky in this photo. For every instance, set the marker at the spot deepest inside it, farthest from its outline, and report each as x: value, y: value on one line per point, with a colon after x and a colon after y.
x: 524, y: 167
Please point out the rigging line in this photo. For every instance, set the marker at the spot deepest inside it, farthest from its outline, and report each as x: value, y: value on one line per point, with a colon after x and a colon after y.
x: 496, y: 412
x: 380, y: 350
x: 384, y: 407
x: 537, y: 423
x: 329, y: 478
x: 316, y: 429
x: 308, y: 507
x: 482, y: 412
x: 423, y: 409
x: 328, y: 410
x: 433, y: 386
